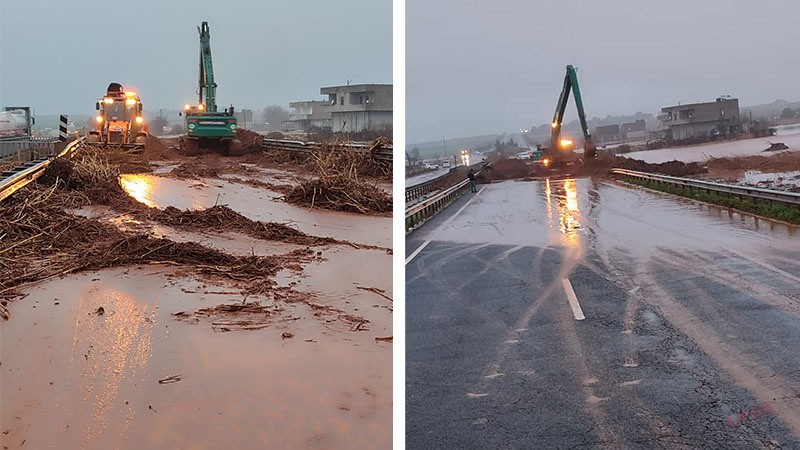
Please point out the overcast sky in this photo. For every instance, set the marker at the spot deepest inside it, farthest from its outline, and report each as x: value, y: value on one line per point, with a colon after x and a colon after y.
x: 59, y: 56
x: 478, y: 67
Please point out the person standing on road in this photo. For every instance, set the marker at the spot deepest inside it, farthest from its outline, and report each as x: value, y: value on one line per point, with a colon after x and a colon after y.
x: 471, y: 176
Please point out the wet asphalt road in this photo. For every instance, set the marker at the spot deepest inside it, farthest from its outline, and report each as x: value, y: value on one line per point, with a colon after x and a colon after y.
x: 690, y: 337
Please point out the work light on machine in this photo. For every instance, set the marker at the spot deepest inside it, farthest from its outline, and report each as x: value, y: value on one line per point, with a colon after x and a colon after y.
x: 108, y: 100
x: 130, y: 101
x: 201, y: 106
x: 565, y: 143
x: 99, y: 119
x: 139, y: 119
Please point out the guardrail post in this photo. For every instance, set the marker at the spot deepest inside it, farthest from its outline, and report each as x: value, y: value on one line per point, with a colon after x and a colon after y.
x: 62, y: 128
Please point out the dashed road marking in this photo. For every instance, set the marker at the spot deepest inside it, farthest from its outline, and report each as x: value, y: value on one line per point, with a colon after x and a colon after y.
x: 573, y: 300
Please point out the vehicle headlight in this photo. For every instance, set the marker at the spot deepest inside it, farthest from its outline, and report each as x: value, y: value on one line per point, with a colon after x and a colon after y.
x: 191, y: 126
x: 233, y: 126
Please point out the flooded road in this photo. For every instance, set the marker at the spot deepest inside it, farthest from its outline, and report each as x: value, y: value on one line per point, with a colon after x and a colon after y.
x: 586, y: 313
x: 74, y: 379
x: 145, y: 356
x: 257, y: 203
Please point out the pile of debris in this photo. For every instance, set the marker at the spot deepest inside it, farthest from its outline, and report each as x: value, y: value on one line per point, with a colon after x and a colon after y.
x: 251, y: 141
x: 41, y: 240
x: 339, y: 185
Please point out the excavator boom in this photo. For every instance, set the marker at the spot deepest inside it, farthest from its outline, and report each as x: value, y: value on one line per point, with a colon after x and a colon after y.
x: 571, y: 84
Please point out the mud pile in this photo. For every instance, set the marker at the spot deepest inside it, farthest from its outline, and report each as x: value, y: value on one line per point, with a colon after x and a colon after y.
x: 251, y: 141
x: 506, y: 169
x: 156, y: 150
x: 602, y: 165
x: 780, y: 162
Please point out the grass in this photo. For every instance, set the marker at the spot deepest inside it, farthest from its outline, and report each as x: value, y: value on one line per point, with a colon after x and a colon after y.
x: 785, y: 213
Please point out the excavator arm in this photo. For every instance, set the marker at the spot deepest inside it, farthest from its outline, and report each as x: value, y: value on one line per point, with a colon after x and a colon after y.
x: 571, y: 84
x: 208, y: 88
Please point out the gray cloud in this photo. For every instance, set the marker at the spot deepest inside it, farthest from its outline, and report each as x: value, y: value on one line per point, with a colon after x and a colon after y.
x: 476, y: 67
x: 60, y: 56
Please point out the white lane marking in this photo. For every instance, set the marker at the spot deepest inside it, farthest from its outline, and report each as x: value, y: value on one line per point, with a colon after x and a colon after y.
x: 446, y: 222
x: 573, y: 300
x: 476, y: 395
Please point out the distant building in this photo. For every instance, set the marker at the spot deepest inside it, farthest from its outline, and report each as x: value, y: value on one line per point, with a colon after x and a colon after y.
x: 701, y: 119
x: 634, y: 131
x: 308, y: 114
x: 359, y: 107
x: 607, y: 134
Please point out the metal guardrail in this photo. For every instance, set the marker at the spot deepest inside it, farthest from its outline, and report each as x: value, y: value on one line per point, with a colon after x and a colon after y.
x: 420, y: 190
x: 418, y: 214
x: 22, y: 150
x: 790, y: 198
x: 13, y: 180
x: 380, y: 153
x: 426, y: 187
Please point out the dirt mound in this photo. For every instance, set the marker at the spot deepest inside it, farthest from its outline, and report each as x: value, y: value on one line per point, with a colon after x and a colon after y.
x: 602, y: 165
x: 781, y: 162
x: 155, y: 150
x: 506, y: 169
x: 251, y: 141
x: 195, y: 170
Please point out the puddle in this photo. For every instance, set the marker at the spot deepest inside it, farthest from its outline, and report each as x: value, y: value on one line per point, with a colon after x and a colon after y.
x: 74, y: 379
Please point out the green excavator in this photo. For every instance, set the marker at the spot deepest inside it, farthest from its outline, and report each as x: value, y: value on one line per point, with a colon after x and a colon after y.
x: 561, y: 151
x: 207, y: 128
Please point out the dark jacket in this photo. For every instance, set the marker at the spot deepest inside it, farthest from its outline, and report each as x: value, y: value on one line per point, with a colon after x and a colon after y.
x: 471, y: 175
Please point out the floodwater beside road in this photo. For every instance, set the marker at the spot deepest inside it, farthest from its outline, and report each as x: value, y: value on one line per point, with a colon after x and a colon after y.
x: 703, y: 152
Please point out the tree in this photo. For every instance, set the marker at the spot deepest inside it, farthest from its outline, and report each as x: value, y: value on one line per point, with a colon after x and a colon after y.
x: 787, y: 113
x: 274, y: 115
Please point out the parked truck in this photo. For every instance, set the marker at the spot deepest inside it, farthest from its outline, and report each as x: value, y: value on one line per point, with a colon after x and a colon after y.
x: 16, y: 122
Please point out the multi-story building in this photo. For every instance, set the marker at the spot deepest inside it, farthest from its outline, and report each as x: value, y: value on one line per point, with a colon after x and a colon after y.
x: 308, y: 114
x: 359, y: 107
x: 698, y: 120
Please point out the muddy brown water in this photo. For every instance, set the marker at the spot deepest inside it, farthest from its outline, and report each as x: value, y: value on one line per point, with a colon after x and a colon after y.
x: 257, y: 204
x: 70, y: 378
x: 75, y: 379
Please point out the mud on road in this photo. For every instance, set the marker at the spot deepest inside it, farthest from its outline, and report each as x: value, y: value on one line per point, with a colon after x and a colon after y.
x: 265, y: 318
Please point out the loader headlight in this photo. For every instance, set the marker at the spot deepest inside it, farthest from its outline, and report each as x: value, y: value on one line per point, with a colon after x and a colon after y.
x: 99, y: 119
x: 139, y: 119
x: 108, y: 100
x: 130, y: 101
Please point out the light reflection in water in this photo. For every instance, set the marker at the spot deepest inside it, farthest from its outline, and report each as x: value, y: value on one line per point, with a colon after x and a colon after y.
x: 566, y: 205
x: 138, y: 187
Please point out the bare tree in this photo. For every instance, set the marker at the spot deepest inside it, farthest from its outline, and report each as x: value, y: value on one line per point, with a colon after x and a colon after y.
x: 274, y: 115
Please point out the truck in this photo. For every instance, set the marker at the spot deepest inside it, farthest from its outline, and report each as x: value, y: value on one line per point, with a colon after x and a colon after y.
x: 16, y: 122
x: 119, y: 121
x: 207, y: 128
x: 561, y: 150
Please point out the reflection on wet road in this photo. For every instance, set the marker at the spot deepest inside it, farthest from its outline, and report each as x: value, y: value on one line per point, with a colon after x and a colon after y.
x: 691, y: 317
